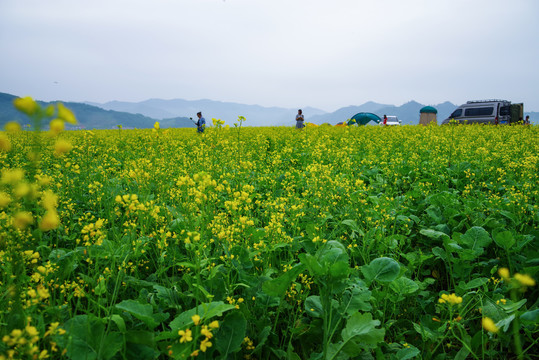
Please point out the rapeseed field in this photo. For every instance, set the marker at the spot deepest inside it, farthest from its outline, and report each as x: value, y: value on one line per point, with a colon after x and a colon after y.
x: 268, y: 243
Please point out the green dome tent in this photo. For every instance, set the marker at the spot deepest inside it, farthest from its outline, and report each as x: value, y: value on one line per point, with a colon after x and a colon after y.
x: 428, y: 110
x: 363, y: 118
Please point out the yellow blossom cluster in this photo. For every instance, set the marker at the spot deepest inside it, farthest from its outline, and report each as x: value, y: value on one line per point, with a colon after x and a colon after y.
x: 451, y: 299
x: 202, y: 332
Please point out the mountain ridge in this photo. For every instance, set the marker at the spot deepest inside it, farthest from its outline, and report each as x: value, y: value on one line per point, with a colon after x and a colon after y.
x: 176, y: 113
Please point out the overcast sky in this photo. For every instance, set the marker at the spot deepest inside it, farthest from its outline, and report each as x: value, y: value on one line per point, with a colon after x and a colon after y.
x: 289, y: 53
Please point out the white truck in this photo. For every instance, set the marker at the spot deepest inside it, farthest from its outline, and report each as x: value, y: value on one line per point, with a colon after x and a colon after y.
x: 391, y: 121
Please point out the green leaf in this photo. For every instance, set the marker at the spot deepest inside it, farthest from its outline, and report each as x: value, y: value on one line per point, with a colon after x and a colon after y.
x: 231, y: 334
x: 313, y: 306
x: 206, y: 312
x: 475, y: 283
x: 361, y: 328
x: 278, y: 286
x: 476, y: 239
x: 382, y: 269
x: 505, y: 322
x: 86, y: 339
x: 143, y: 312
x: 504, y: 239
x: 404, y: 286
x: 355, y: 299
x: 312, y: 264
x: 408, y: 353
x: 433, y: 234
x: 262, y: 338
x: 119, y: 321
x: 140, y: 337
x: 530, y: 317
x: 331, y: 253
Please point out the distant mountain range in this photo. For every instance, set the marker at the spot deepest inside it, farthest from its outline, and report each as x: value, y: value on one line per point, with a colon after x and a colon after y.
x: 176, y: 113
x: 91, y: 117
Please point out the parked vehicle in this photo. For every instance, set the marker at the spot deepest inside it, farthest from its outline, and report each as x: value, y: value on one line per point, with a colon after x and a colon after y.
x: 486, y: 112
x: 391, y: 121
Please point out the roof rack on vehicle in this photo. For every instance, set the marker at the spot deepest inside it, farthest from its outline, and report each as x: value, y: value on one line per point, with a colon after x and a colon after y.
x: 484, y: 101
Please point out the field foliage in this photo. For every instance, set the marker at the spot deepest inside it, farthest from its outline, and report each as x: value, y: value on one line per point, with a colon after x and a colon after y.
x: 269, y: 243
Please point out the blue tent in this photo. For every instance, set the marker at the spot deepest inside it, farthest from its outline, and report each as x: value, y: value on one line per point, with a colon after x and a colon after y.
x: 363, y: 118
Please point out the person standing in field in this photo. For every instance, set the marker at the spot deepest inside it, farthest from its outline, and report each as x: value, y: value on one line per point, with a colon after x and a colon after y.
x: 201, y: 123
x: 527, y: 121
x: 300, y: 120
x: 385, y: 120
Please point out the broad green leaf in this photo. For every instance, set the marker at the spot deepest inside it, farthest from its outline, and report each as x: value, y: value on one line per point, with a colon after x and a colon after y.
x: 312, y: 265
x: 504, y: 239
x: 425, y: 332
x: 361, y: 328
x: 407, y: 353
x: 332, y: 252
x: 473, y: 284
x: 505, y: 322
x: 355, y: 299
x: 404, y: 286
x: 231, y: 334
x: 86, y: 339
x: 313, y: 306
x: 119, y: 321
x: 476, y: 239
x: 278, y: 286
x: 382, y: 269
x: 530, y: 317
x: 143, y: 312
x: 433, y: 234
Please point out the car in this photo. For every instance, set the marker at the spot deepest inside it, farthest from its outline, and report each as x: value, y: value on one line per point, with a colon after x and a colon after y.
x: 486, y: 112
x: 391, y: 121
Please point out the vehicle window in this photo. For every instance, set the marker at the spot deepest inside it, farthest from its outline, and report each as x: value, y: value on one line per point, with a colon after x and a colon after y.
x: 456, y: 113
x: 482, y: 111
x: 505, y: 110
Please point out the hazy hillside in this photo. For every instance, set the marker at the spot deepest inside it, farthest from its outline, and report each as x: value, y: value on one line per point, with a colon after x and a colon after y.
x: 176, y: 113
x: 408, y: 113
x: 90, y: 117
x: 255, y: 115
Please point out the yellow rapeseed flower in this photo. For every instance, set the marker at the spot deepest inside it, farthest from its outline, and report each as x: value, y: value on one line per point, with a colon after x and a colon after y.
x: 196, y: 319
x: 22, y: 219
x: 186, y: 335
x: 31, y: 330
x: 26, y: 105
x: 214, y: 324
x: 12, y: 127
x: 205, y: 344
x: 5, y: 199
x: 56, y: 126
x: 452, y: 299
x: 206, y: 332
x: 12, y: 176
x: 488, y: 324
x: 49, y: 200
x: 50, y: 221
x: 525, y: 280
x: 5, y: 144
x: 22, y: 189
x: 504, y: 273
x: 66, y: 114
x: 61, y: 147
